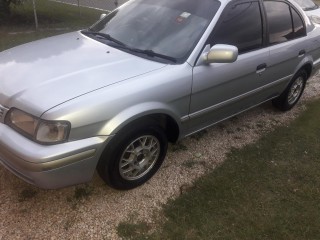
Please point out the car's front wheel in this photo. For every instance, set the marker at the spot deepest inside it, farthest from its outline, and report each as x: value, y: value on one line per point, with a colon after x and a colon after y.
x: 293, y: 92
x: 133, y: 156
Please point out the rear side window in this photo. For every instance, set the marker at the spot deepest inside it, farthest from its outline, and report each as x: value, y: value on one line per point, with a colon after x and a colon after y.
x: 299, y: 30
x: 241, y: 26
x: 284, y: 23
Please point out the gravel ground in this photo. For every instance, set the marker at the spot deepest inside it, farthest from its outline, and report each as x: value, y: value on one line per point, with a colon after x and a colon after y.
x: 93, y: 210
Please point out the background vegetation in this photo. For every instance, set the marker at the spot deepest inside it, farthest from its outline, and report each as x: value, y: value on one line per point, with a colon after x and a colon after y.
x: 5, y: 8
x: 54, y: 18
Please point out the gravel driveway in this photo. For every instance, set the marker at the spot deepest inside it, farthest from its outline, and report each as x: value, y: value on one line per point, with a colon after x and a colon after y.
x: 93, y: 210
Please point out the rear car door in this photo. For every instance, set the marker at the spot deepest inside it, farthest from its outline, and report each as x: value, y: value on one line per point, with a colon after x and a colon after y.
x: 287, y: 41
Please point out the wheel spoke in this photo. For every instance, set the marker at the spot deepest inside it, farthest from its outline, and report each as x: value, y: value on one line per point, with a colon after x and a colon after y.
x: 143, y: 141
x: 295, y: 90
x: 139, y: 157
x: 124, y: 163
x: 154, y: 152
x: 130, y: 149
x: 128, y: 170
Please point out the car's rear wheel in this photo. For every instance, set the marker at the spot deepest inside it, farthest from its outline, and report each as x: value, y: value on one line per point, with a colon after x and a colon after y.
x: 133, y: 156
x: 289, y: 98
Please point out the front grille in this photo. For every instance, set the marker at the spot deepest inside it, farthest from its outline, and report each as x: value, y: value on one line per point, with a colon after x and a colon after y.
x: 3, y: 112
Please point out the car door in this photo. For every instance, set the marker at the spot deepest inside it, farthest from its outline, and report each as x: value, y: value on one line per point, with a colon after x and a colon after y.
x: 221, y: 90
x: 287, y: 40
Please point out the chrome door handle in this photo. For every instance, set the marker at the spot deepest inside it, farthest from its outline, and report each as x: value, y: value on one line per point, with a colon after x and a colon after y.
x: 302, y: 53
x: 261, y: 68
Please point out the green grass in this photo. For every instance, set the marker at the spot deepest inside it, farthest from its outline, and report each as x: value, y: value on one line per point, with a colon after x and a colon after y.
x: 27, y: 194
x: 268, y: 190
x: 54, y: 18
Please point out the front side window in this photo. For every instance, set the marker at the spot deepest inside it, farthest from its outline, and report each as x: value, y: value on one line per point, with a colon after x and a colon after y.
x: 241, y: 26
x: 284, y: 23
x: 167, y: 27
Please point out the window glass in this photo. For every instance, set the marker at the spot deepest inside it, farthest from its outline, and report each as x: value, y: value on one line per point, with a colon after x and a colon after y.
x: 298, y: 24
x: 167, y: 27
x: 241, y: 26
x: 280, y: 22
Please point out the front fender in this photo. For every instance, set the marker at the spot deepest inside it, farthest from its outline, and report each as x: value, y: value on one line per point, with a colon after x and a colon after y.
x: 135, y: 112
x: 104, y: 111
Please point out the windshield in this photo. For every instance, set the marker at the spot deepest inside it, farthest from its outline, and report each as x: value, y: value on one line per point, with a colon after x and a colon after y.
x: 168, y: 27
x: 307, y: 4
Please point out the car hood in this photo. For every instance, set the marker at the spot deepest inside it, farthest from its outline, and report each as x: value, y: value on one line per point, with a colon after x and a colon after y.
x: 40, y: 75
x: 315, y: 12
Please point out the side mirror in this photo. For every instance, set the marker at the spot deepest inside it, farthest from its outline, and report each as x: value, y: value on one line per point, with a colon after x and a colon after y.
x: 221, y: 53
x: 102, y: 16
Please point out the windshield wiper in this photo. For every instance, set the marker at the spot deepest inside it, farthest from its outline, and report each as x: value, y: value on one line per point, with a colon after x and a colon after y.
x: 104, y: 36
x: 150, y: 53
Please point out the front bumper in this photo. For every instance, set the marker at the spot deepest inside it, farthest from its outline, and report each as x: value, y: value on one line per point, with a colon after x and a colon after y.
x: 53, y: 166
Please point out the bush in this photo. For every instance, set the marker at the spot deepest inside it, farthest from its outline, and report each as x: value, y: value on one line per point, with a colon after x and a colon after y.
x: 5, y: 7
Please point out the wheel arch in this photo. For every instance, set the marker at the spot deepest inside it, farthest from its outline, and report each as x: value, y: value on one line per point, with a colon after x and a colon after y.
x: 306, y: 65
x: 155, y: 112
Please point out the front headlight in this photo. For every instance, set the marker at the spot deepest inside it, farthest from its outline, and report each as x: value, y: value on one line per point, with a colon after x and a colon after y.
x: 22, y: 122
x: 52, y: 132
x: 42, y: 131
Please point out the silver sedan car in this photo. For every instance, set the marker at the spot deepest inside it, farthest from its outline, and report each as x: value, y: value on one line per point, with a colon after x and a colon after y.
x: 151, y: 72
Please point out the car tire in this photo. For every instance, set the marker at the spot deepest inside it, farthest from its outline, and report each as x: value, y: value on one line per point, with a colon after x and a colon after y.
x: 133, y: 156
x: 289, y: 98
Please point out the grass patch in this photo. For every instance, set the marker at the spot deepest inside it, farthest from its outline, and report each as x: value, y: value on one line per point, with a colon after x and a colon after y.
x: 133, y: 230
x: 177, y: 147
x: 27, y: 194
x: 54, y: 18
x: 82, y: 192
x: 189, y: 163
x: 268, y: 190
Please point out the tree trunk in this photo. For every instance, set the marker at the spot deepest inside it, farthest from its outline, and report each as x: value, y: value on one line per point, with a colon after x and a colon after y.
x: 35, y: 14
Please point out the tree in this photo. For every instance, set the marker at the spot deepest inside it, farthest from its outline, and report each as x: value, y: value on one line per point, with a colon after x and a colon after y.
x: 5, y: 7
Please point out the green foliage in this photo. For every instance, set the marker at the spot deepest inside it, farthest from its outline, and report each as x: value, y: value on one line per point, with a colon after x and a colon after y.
x: 5, y: 8
x: 133, y: 231
x: 54, y: 18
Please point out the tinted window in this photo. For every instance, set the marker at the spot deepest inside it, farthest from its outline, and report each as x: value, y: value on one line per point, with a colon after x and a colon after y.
x: 281, y: 28
x: 298, y: 24
x: 241, y: 26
